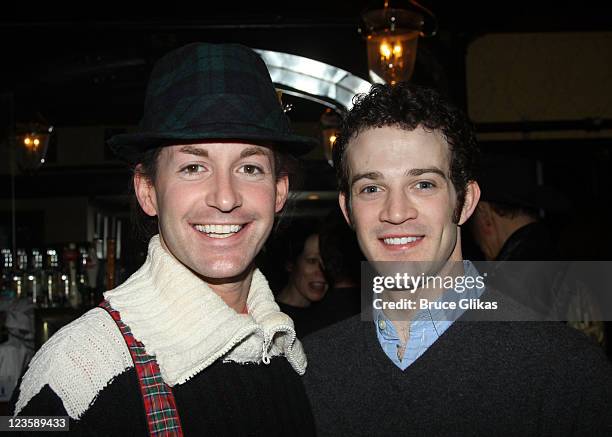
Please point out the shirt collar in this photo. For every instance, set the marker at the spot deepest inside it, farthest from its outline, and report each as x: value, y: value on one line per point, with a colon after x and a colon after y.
x: 438, y: 318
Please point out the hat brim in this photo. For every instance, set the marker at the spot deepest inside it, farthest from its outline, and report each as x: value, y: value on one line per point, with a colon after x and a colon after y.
x: 543, y: 197
x: 130, y: 147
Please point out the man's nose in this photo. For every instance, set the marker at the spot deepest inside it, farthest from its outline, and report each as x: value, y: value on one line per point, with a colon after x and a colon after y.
x: 398, y: 208
x: 225, y: 195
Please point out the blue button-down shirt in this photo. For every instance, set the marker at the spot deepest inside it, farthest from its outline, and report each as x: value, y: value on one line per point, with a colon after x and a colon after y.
x: 425, y: 327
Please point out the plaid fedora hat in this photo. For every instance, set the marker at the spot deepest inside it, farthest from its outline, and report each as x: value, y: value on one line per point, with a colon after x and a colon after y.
x: 210, y: 92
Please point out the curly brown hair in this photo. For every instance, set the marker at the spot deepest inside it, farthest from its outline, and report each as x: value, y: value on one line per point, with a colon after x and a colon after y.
x: 409, y: 106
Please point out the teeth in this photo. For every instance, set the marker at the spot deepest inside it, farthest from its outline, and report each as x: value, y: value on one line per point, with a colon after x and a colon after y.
x: 398, y: 241
x: 218, y: 231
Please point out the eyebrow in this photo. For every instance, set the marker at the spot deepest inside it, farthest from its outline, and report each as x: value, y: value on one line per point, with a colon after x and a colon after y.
x: 375, y: 175
x: 420, y: 171
x: 255, y: 150
x: 194, y: 151
x: 372, y: 175
x: 249, y: 151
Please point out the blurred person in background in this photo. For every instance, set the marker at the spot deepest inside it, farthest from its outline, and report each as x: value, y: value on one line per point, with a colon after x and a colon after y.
x: 341, y: 258
x: 507, y: 225
x: 306, y: 284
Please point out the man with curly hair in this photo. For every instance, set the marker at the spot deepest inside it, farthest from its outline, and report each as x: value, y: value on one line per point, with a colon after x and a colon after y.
x: 406, y: 162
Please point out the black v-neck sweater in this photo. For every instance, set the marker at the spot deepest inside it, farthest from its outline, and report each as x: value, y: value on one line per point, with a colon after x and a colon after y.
x: 478, y: 379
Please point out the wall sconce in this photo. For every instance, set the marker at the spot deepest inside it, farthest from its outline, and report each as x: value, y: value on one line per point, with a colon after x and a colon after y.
x: 32, y: 144
x: 392, y: 35
x: 330, y: 128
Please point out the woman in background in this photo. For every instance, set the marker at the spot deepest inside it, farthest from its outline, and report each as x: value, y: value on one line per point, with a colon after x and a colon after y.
x: 306, y: 284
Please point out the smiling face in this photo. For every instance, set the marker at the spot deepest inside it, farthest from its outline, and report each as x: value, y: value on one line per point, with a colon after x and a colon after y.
x: 215, y: 204
x: 402, y: 200
x: 306, y: 274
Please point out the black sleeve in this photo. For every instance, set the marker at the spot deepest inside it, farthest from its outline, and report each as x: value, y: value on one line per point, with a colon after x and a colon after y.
x: 117, y: 411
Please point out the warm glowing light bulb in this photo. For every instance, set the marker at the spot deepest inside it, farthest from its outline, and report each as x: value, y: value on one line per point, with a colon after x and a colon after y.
x: 385, y: 50
x: 27, y: 141
x: 332, y: 139
x: 36, y: 141
x: 397, y: 49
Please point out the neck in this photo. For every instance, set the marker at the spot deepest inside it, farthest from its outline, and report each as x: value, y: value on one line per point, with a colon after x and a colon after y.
x: 403, y: 318
x: 291, y: 296
x: 234, y: 293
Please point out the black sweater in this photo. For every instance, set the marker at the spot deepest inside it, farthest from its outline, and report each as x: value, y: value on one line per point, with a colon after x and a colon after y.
x: 225, y: 399
x: 479, y: 378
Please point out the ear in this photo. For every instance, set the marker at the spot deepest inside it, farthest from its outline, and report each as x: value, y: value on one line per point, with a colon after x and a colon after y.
x: 282, y: 191
x: 484, y: 215
x: 145, y: 193
x: 472, y: 196
x: 343, y: 206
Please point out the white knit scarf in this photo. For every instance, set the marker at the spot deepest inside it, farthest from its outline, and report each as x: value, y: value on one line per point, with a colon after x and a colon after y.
x: 180, y: 321
x: 187, y: 326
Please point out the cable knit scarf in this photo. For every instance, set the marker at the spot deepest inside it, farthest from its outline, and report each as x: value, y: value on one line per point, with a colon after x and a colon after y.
x: 187, y: 326
x: 178, y: 318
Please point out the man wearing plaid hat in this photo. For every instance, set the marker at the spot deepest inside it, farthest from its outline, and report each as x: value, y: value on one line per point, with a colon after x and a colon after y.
x: 193, y: 342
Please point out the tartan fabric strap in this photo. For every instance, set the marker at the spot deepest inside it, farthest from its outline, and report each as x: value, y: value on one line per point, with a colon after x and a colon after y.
x: 159, y: 403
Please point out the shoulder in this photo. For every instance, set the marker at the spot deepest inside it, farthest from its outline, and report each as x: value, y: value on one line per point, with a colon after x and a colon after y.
x: 340, y: 345
x: 77, y: 363
x: 553, y: 348
x: 558, y: 365
x: 563, y: 342
x: 547, y: 336
x: 341, y: 333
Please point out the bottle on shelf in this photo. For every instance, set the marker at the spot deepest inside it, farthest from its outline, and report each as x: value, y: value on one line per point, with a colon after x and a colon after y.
x: 85, y: 266
x: 69, y: 276
x: 7, y: 290
x: 56, y: 283
x: 20, y: 274
x: 34, y: 283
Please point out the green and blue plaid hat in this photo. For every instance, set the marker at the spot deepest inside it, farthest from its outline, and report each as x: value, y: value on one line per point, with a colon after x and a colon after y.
x: 210, y: 92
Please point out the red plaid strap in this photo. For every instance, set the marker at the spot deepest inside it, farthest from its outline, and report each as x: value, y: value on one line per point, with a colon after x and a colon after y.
x: 160, y: 406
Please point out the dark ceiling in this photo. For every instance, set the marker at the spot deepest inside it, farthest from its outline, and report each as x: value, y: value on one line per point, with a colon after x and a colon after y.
x: 89, y: 65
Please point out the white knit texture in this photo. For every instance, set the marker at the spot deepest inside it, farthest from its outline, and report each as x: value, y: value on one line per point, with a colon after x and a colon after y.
x: 187, y: 326
x: 77, y: 362
x: 179, y: 320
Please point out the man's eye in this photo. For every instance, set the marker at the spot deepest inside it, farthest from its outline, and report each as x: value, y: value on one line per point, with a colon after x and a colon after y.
x: 251, y: 169
x: 425, y: 185
x: 370, y: 189
x: 193, y: 169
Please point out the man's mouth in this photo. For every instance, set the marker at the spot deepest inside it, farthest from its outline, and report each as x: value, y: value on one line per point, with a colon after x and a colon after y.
x: 218, y: 231
x: 403, y: 240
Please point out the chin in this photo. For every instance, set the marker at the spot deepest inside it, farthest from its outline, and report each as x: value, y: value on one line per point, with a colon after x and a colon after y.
x: 314, y: 296
x: 222, y: 270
